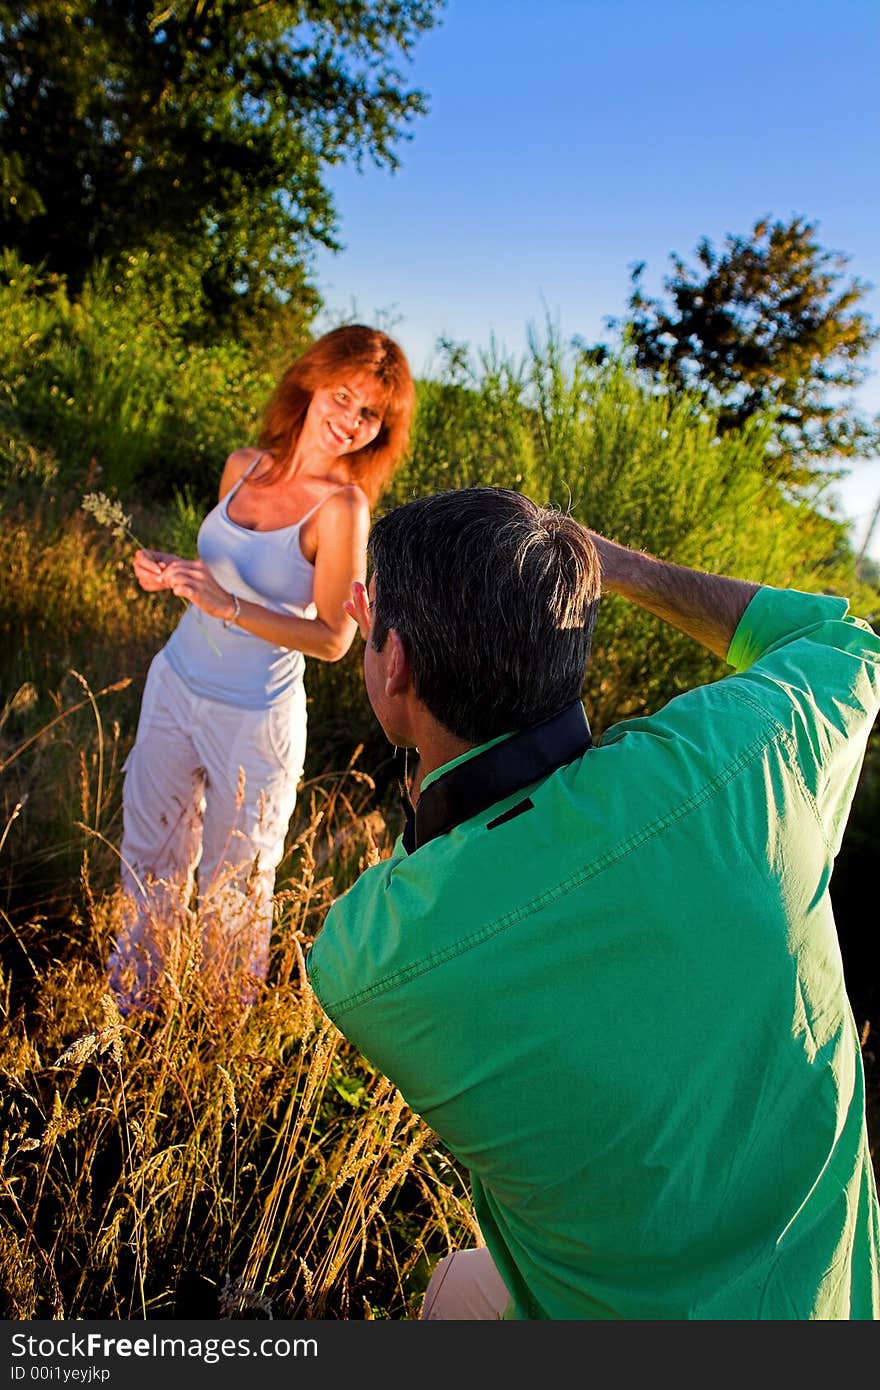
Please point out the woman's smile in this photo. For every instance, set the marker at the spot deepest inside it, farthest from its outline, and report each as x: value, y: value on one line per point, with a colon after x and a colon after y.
x: 344, y: 417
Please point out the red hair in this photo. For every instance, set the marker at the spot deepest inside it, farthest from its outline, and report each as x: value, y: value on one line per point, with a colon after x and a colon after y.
x: 353, y: 347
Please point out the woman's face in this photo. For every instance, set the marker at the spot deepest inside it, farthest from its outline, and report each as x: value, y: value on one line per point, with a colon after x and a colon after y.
x: 344, y: 417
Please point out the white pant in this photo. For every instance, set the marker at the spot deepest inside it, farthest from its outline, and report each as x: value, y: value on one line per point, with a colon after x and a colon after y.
x: 212, y: 787
x: 465, y: 1286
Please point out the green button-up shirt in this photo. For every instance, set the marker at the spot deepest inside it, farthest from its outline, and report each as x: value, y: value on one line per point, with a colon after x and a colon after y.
x: 624, y: 1010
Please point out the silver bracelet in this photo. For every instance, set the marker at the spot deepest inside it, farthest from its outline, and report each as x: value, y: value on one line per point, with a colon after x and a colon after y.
x: 236, y: 612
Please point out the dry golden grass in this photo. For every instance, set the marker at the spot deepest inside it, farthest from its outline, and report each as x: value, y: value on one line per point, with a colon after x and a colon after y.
x: 214, y: 1159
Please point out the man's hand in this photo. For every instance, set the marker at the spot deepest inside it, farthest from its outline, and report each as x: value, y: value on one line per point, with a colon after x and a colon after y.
x: 358, y: 607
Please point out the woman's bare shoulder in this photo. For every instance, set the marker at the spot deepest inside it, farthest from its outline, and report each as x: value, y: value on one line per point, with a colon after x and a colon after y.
x: 350, y: 495
x: 348, y: 501
x: 237, y: 464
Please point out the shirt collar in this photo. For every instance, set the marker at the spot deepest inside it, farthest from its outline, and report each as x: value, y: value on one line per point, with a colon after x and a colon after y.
x: 482, y: 777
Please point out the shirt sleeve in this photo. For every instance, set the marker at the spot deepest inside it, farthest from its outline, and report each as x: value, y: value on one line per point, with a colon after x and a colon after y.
x: 775, y: 617
x: 815, y: 670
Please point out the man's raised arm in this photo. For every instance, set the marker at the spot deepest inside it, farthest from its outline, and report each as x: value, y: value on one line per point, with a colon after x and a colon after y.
x: 708, y: 607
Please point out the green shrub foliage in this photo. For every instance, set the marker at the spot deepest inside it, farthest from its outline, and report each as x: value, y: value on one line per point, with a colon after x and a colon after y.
x: 108, y: 389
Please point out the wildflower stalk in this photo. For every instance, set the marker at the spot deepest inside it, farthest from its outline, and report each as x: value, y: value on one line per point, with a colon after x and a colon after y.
x: 110, y: 514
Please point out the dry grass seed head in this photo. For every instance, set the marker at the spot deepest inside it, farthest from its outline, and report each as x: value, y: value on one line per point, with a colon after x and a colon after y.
x: 228, y: 1089
x: 398, y: 1172
x: 396, y: 1107
x: 107, y: 1246
x: 308, y: 1281
x: 110, y: 1034
x: 60, y: 1122
x: 107, y: 1039
x: 325, y: 1046
x: 80, y: 1051
x: 236, y: 1298
x: 371, y: 856
x: 27, y: 1146
x: 18, y: 1274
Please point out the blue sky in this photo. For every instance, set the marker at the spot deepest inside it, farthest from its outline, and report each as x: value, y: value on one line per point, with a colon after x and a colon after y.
x: 567, y: 139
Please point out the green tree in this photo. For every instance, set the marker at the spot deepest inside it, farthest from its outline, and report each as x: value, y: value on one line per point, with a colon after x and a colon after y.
x: 200, y: 130
x: 770, y: 323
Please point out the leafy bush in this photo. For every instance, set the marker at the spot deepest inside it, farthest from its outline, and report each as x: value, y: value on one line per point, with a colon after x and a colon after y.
x: 108, y: 389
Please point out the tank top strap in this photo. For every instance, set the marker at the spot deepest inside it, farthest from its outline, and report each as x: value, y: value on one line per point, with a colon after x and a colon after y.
x: 311, y: 512
x: 246, y: 474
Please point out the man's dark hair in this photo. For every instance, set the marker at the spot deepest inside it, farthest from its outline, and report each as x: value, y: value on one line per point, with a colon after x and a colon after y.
x: 495, y: 600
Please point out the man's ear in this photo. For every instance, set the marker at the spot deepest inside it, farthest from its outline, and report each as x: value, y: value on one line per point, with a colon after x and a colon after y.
x: 398, y: 673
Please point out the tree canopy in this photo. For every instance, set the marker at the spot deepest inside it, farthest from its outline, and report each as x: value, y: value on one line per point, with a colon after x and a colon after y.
x: 770, y: 323
x: 198, y: 129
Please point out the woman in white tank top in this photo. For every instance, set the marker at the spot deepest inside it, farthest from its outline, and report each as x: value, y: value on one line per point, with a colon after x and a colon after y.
x: 211, y: 781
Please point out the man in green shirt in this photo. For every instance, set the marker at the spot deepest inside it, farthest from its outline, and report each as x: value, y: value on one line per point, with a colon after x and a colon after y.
x: 608, y: 976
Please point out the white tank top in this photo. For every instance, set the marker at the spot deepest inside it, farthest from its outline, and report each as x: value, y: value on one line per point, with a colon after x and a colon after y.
x: 228, y: 664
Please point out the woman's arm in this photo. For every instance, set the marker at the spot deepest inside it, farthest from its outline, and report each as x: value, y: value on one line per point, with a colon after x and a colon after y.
x: 342, y: 524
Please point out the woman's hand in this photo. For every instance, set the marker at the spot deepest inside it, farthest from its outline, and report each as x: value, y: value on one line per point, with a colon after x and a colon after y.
x: 193, y: 581
x: 149, y: 568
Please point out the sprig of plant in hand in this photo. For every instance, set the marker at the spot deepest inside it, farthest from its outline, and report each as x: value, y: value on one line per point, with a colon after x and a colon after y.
x: 109, y: 513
